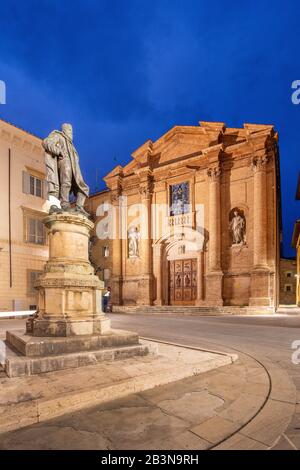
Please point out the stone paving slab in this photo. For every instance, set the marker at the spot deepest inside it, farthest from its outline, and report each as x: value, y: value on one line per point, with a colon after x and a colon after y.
x: 215, y: 429
x: 243, y: 408
x: 28, y: 400
x: 179, y: 415
x: 219, y: 409
x: 160, y: 418
x: 240, y: 442
x: 284, y: 443
x: 270, y: 423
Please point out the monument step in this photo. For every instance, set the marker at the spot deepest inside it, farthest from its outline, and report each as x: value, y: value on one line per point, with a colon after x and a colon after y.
x: 34, y: 346
x: 16, y: 365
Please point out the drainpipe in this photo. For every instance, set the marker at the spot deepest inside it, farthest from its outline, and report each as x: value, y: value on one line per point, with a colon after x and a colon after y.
x: 9, y: 218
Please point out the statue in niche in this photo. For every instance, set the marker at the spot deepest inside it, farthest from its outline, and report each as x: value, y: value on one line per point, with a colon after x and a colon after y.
x: 133, y: 242
x: 237, y: 227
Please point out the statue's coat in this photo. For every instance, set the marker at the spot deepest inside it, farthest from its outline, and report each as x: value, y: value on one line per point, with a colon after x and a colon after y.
x: 57, y: 144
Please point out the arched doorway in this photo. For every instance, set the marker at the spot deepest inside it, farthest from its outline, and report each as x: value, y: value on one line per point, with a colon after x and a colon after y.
x: 179, y: 269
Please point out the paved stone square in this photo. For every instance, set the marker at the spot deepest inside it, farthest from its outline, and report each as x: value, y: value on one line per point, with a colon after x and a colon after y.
x: 183, y: 414
x: 251, y: 404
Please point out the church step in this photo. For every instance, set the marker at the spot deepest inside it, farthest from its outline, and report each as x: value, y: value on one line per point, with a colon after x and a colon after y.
x: 192, y: 310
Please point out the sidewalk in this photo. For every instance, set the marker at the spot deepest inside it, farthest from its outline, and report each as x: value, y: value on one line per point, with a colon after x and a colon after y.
x: 32, y: 399
x: 245, y: 405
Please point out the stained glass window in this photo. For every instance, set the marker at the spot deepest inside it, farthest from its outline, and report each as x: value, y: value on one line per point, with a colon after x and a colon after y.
x: 179, y: 198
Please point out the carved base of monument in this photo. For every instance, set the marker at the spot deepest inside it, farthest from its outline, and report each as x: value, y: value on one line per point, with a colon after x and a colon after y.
x: 52, y: 327
x: 70, y: 295
x: 69, y: 329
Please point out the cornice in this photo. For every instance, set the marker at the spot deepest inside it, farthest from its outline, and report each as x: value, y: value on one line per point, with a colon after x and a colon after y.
x: 17, y: 138
x: 36, y: 212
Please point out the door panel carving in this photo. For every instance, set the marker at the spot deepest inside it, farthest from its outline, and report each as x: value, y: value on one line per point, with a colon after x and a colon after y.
x: 182, y: 282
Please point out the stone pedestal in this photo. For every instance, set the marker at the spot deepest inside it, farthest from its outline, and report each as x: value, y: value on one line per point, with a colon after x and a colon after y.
x: 69, y: 329
x: 69, y: 293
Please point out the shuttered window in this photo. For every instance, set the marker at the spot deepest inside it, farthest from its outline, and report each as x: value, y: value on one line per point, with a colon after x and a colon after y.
x: 31, y: 278
x: 35, y: 231
x: 33, y: 185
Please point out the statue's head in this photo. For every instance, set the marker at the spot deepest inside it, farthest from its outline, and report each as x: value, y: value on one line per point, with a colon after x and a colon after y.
x: 67, y: 129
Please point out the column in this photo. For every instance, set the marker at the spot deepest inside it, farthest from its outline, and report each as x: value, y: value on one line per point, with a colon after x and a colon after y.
x: 157, y: 262
x: 259, y: 212
x: 145, y: 230
x: 214, y: 219
x: 199, y: 300
x: 117, y: 250
x: 214, y: 278
x: 145, y: 248
x: 260, y: 274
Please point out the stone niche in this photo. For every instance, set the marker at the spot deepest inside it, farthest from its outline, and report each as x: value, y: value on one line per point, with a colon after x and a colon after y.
x: 69, y: 329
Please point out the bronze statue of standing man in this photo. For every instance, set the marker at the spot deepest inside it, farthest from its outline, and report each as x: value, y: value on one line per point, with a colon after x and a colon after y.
x: 63, y: 171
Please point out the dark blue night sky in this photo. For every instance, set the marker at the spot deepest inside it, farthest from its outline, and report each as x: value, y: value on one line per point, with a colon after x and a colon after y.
x: 126, y: 71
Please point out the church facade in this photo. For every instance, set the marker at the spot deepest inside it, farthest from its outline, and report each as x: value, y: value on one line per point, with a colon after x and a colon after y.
x: 193, y: 220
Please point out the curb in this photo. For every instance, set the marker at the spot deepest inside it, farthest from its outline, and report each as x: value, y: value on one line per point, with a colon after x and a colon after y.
x: 262, y: 430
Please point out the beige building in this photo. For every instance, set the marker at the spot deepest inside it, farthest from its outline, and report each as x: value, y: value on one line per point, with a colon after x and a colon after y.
x: 23, y: 242
x: 193, y: 219
x: 288, y: 281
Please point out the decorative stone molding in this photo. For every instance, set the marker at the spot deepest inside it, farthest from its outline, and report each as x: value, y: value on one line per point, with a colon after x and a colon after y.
x: 70, y: 267
x: 69, y: 219
x: 92, y: 283
x: 115, y: 196
x: 145, y: 192
x: 259, y: 163
x: 214, y: 173
x: 20, y: 138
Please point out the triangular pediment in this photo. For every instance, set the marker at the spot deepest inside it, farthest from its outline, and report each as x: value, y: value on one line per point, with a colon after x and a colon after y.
x: 183, y: 140
x: 117, y: 171
x: 177, y: 142
x: 186, y: 141
x: 130, y: 167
